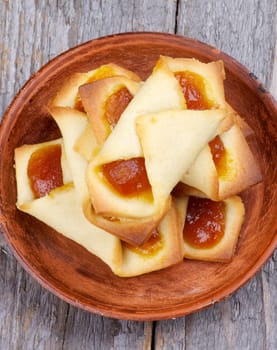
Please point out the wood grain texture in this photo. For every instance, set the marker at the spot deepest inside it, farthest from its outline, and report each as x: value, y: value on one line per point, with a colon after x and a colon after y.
x: 244, y: 29
x: 247, y: 31
x: 32, y: 32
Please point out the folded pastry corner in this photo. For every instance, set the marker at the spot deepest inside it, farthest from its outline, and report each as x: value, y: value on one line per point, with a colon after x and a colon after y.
x: 105, y: 100
x: 68, y: 96
x: 28, y: 171
x: 61, y: 210
x: 207, y: 78
x: 134, y: 231
x: 121, y: 153
x: 163, y: 249
x: 86, y: 144
x: 72, y: 124
x: 240, y: 169
x: 202, y: 85
x: 240, y: 121
x: 201, y: 178
x: 230, y: 167
x: 44, y: 191
x: 166, y: 162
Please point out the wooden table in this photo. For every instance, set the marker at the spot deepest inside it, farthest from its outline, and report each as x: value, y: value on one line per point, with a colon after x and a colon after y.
x: 32, y: 32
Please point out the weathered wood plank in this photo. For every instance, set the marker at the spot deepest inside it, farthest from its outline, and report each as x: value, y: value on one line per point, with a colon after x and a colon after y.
x: 269, y: 272
x: 32, y: 318
x: 32, y: 32
x: 247, y: 31
x: 244, y: 29
x: 231, y: 324
x: 273, y: 83
x: 29, y: 315
x: 35, y: 31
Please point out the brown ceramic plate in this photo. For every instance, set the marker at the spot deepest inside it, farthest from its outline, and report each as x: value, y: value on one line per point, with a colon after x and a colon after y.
x: 80, y: 278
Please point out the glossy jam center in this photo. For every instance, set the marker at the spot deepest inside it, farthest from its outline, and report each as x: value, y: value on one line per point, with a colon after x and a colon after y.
x: 205, y: 222
x: 150, y: 247
x: 219, y: 155
x: 127, y: 177
x: 116, y: 104
x: 194, y: 90
x: 44, y: 170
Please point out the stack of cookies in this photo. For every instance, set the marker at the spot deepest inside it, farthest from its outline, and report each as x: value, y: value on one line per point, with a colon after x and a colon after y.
x: 146, y: 173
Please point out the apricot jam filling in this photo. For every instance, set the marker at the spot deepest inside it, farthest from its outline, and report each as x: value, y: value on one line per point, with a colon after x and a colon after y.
x: 44, y: 170
x: 116, y: 104
x: 150, y: 247
x: 205, y: 223
x: 194, y: 90
x: 219, y: 155
x: 127, y: 177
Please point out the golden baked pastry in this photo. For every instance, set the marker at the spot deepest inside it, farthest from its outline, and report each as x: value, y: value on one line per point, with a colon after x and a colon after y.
x: 201, y: 178
x: 60, y: 209
x: 58, y: 206
x: 161, y: 91
x: 239, y: 169
x: 229, y: 164
x: 86, y: 144
x: 212, y: 229
x: 167, y: 161
x: 164, y: 166
x: 131, y: 153
x: 68, y: 96
x: 54, y: 156
x: 164, y: 248
x: 238, y: 120
x: 202, y: 85
x: 208, y: 77
x: 104, y: 101
x: 72, y: 124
